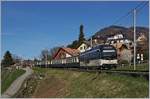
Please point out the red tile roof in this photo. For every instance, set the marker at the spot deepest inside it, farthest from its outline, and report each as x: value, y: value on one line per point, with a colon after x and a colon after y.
x: 70, y: 51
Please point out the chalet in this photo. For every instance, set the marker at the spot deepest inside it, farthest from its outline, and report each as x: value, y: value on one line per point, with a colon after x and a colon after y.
x: 119, y: 38
x: 83, y: 46
x: 98, y: 40
x: 141, y: 38
x: 65, y: 53
x: 123, y: 52
x: 91, y: 42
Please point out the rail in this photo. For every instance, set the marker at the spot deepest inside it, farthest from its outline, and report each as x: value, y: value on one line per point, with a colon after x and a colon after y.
x: 76, y: 67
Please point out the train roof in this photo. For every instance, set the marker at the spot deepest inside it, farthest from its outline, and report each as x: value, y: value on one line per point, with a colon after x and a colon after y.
x: 99, y: 47
x: 102, y: 46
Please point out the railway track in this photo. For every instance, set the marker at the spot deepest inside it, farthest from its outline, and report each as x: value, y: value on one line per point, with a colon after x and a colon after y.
x: 133, y: 73
x: 144, y: 74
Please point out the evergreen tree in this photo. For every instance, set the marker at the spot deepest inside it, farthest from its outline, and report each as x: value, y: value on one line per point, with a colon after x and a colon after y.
x: 7, y: 60
x: 74, y: 44
x: 80, y: 40
x: 81, y: 35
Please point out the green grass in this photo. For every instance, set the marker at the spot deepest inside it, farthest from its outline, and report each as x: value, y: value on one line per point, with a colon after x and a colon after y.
x: 39, y: 70
x: 8, y: 77
x: 142, y: 67
x: 89, y: 85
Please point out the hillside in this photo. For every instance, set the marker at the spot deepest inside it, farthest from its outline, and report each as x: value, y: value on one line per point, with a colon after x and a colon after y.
x: 8, y: 76
x: 57, y: 83
x: 127, y: 32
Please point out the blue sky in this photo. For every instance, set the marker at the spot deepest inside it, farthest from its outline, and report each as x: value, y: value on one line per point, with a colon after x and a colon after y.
x: 29, y: 27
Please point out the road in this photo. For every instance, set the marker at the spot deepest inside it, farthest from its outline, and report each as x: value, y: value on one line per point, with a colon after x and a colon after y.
x: 16, y: 85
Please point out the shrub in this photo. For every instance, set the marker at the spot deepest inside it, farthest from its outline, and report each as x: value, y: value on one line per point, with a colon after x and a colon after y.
x: 146, y: 55
x: 123, y: 62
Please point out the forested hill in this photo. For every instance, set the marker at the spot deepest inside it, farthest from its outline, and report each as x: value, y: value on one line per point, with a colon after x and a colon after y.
x: 127, y: 32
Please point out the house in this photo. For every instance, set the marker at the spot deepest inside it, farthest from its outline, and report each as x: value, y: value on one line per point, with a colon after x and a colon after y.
x: 65, y: 53
x: 86, y: 45
x: 27, y: 63
x: 119, y: 38
x: 83, y: 46
x: 98, y: 40
x: 141, y: 38
x: 123, y: 52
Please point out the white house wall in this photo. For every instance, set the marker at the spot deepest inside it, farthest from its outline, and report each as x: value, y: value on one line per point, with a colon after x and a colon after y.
x: 67, y: 55
x: 83, y: 46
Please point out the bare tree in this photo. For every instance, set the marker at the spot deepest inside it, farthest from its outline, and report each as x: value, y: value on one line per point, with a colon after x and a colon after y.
x: 44, y: 54
x: 16, y: 58
x: 54, y: 50
x: 47, y: 55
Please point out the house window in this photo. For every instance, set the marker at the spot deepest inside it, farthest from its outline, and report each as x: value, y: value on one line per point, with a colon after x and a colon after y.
x: 84, y: 47
x: 80, y: 48
x: 112, y: 42
x: 121, y: 41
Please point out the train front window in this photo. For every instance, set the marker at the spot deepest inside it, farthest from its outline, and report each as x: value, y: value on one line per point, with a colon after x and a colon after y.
x: 109, y: 54
x: 108, y: 50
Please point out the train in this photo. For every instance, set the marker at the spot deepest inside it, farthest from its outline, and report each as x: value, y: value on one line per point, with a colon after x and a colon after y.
x: 100, y: 56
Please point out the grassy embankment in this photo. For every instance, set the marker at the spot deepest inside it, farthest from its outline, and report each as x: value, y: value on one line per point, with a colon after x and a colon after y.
x: 8, y: 76
x: 141, y: 67
x: 63, y: 83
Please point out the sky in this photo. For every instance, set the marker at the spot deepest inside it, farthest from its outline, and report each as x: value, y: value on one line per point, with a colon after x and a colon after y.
x: 30, y: 26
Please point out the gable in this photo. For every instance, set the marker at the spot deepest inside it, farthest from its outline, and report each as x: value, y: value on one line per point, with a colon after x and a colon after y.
x: 83, y: 45
x: 61, y: 54
x: 65, y: 52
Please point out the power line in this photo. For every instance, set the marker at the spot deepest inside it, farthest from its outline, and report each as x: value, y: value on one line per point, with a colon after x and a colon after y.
x: 138, y: 10
x: 122, y: 17
x: 138, y: 7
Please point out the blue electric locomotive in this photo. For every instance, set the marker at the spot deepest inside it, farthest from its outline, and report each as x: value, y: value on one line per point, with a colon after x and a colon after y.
x: 103, y: 56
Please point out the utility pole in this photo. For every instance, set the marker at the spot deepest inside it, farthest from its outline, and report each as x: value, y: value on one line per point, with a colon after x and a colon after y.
x: 46, y: 61
x: 91, y: 42
x: 134, y: 21
x: 45, y: 55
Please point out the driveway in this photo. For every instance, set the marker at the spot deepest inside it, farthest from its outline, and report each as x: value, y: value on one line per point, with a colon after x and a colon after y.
x: 16, y: 85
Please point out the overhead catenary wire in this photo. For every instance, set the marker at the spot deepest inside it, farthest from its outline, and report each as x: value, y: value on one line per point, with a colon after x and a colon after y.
x: 142, y: 6
x: 138, y: 8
